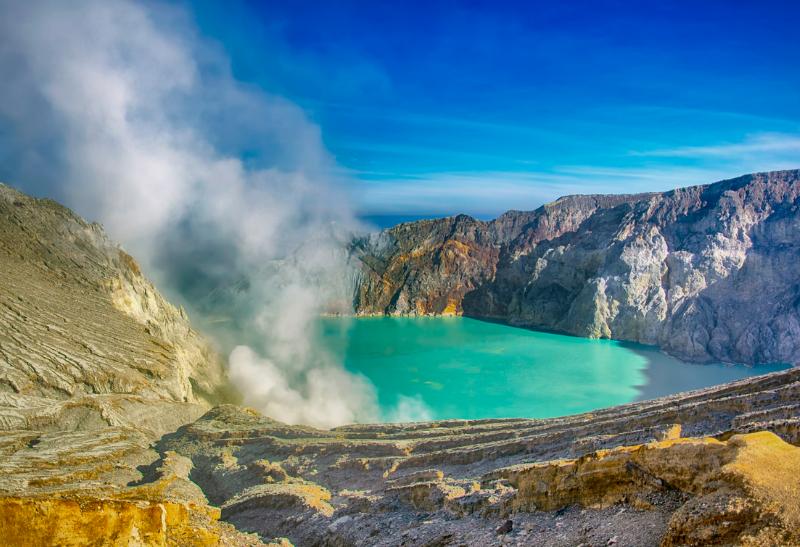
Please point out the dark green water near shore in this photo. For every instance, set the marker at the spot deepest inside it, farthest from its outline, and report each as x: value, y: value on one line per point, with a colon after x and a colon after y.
x: 454, y: 367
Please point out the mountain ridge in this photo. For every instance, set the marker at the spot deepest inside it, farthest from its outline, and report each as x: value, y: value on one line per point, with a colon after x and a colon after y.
x: 655, y: 268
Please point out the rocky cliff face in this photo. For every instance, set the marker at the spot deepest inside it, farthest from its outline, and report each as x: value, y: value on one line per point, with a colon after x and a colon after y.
x: 106, y: 436
x: 708, y: 272
x: 84, y: 337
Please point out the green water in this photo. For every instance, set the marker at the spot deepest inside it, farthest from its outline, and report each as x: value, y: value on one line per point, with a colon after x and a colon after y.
x: 439, y: 368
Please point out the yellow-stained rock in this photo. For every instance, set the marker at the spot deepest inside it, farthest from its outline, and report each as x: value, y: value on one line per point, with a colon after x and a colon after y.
x: 300, y: 496
x: 114, y: 522
x: 754, y: 498
x: 746, y: 489
x: 26, y: 521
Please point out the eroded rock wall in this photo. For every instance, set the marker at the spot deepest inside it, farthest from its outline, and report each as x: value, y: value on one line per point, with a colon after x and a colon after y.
x: 707, y: 272
x: 85, y: 338
x: 713, y: 467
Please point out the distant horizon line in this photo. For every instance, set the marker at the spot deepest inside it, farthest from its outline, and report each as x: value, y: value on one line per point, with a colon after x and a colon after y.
x: 412, y: 215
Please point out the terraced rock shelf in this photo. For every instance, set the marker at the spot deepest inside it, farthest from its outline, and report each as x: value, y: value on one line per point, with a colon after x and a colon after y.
x: 455, y: 481
x: 687, y: 469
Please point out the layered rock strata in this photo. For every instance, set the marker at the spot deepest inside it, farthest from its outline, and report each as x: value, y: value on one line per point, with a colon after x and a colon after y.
x: 712, y: 467
x: 717, y: 466
x: 708, y: 273
x: 85, y: 338
x: 94, y: 366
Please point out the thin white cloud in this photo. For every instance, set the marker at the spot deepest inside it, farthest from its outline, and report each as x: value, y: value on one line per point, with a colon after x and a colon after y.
x: 704, y: 114
x: 491, y: 193
x: 764, y: 143
x: 473, y: 193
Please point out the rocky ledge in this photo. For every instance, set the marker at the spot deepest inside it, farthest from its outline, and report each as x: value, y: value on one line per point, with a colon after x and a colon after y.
x: 109, y: 436
x: 714, y: 467
x: 674, y: 269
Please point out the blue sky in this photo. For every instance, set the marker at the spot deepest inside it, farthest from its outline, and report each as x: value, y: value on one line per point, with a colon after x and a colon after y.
x: 442, y: 107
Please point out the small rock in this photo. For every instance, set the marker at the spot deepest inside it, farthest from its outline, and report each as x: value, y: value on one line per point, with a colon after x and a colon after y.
x: 338, y: 522
x: 505, y: 528
x: 612, y: 541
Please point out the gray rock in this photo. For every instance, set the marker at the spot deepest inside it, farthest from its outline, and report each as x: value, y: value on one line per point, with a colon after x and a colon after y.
x: 85, y: 339
x: 707, y: 272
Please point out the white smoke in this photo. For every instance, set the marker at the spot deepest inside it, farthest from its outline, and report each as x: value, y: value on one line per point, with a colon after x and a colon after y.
x: 122, y: 111
x: 409, y: 409
x: 323, y: 402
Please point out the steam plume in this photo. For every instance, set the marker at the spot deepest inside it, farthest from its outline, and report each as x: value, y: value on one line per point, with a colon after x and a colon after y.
x: 124, y: 112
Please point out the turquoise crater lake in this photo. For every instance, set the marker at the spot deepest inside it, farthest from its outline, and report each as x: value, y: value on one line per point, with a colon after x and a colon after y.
x: 455, y: 367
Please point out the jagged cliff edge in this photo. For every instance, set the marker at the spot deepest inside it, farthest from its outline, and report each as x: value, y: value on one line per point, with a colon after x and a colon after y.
x: 707, y: 273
